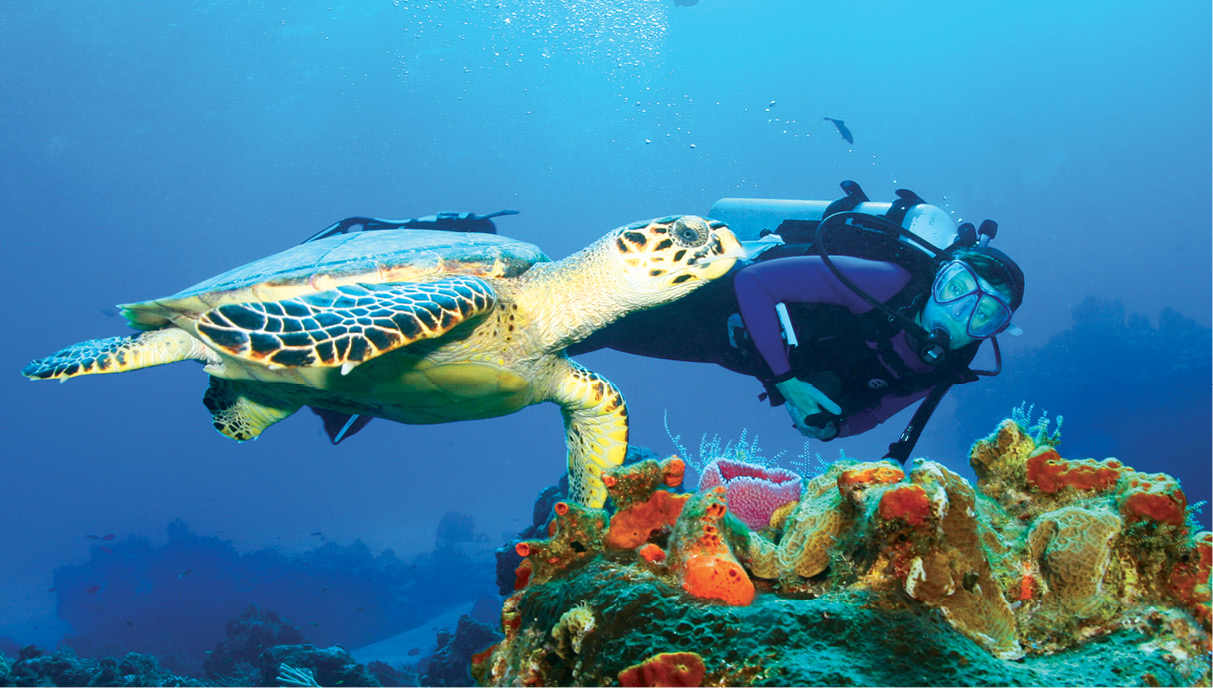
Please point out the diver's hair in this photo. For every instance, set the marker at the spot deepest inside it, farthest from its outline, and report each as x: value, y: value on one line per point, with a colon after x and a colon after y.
x: 997, y: 268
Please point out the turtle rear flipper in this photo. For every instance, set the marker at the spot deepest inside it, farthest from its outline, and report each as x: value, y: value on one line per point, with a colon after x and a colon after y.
x: 239, y: 412
x: 119, y: 354
x: 344, y: 326
x: 596, y: 430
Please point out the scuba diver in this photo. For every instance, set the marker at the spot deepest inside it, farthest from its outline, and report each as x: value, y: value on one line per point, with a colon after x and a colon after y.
x: 845, y: 311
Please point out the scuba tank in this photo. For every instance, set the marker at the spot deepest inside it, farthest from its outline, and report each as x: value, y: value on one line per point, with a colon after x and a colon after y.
x: 794, y: 221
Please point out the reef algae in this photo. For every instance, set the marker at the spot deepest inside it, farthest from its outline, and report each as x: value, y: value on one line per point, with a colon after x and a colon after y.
x: 1051, y: 571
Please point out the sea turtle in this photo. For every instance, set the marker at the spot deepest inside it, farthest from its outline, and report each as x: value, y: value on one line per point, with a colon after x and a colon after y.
x: 416, y: 326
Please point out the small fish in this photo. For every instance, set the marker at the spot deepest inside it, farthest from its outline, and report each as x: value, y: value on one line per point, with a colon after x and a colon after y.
x: 130, y: 622
x: 360, y: 609
x: 184, y: 573
x: 317, y: 533
x: 51, y: 589
x: 93, y: 537
x: 414, y: 651
x: 109, y: 537
x: 92, y: 589
x: 842, y: 129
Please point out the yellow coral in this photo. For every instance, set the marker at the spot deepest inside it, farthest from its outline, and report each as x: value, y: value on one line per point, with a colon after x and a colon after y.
x: 810, y: 531
x: 1074, y: 548
x: 952, y: 572
x: 572, y: 628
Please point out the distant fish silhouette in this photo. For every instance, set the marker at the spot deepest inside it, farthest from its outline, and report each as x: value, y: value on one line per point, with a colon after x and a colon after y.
x: 108, y: 537
x: 185, y: 573
x: 842, y: 129
x: 92, y: 589
x: 317, y: 533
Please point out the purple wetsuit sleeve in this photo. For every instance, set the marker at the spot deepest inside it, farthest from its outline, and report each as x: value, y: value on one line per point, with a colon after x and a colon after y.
x: 806, y: 279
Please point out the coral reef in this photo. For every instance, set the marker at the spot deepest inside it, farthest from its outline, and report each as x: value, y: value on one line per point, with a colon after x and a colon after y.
x: 131, y: 593
x: 1161, y: 359
x: 875, y: 575
x: 248, y: 636
x: 541, y: 516
x: 331, y: 666
x: 32, y: 667
x: 449, y: 664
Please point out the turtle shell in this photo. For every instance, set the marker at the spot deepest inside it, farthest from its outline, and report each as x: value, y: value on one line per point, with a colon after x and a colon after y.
x: 378, y: 257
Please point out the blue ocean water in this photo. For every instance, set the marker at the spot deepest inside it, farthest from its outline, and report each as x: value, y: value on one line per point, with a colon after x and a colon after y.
x: 149, y: 146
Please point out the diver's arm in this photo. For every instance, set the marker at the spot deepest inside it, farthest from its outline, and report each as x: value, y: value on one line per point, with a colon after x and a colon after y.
x: 805, y: 279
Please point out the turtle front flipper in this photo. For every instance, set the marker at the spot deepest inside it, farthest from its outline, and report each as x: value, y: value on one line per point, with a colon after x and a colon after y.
x: 344, y: 326
x: 120, y: 354
x: 239, y: 412
x: 596, y: 429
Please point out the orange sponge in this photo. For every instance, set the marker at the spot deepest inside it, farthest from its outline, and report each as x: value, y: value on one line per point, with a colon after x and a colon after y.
x: 907, y: 502
x: 1049, y: 472
x: 633, y: 526
x: 665, y: 669
x: 717, y: 577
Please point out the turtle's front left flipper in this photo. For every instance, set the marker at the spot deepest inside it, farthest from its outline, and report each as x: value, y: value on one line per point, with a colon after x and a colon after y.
x: 119, y: 354
x: 596, y: 429
x: 344, y: 326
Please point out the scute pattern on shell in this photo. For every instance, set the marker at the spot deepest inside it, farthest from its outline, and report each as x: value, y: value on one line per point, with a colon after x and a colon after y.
x: 349, y: 324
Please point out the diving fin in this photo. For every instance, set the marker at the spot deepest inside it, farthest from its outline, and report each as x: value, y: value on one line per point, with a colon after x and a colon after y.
x: 341, y: 426
x: 446, y: 222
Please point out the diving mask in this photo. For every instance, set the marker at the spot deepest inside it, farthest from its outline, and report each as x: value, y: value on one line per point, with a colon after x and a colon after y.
x: 959, y: 292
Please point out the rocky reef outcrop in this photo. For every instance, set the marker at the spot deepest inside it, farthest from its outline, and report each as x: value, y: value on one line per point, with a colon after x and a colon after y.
x: 33, y: 667
x: 1050, y: 570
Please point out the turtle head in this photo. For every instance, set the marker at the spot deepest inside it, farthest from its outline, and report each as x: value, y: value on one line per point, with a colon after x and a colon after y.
x: 663, y: 259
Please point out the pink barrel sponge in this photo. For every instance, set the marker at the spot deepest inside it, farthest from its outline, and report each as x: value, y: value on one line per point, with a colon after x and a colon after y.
x: 752, y: 492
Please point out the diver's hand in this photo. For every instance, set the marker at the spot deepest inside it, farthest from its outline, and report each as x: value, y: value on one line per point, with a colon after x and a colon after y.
x: 819, y: 426
x: 807, y: 398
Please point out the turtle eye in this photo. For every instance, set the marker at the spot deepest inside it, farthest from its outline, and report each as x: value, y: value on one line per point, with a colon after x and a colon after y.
x: 690, y: 233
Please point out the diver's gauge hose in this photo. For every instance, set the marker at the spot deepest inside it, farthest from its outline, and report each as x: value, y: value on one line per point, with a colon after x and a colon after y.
x: 936, y: 343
